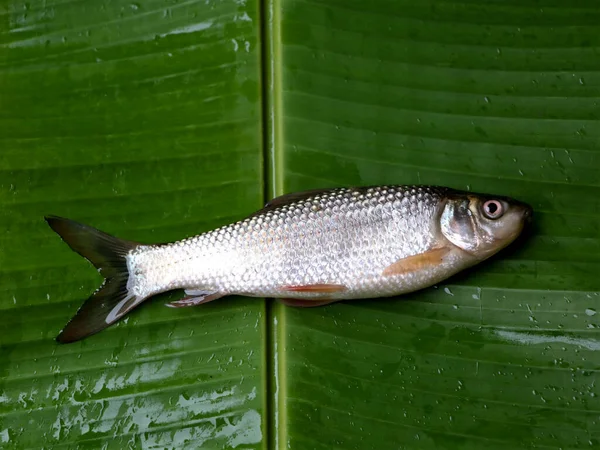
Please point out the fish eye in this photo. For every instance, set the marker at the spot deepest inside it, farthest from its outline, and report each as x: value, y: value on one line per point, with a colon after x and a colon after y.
x: 493, y: 209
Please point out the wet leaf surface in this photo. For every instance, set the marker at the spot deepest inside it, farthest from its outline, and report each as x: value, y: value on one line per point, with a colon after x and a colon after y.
x: 488, y: 96
x: 143, y: 120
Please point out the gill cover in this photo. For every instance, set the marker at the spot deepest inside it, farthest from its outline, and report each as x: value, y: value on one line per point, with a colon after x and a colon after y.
x: 458, y: 225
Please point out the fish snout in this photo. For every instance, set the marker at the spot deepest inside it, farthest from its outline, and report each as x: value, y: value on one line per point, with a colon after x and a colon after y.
x: 527, y: 213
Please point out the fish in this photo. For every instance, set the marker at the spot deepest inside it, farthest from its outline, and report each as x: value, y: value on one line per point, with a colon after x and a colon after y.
x: 307, y: 249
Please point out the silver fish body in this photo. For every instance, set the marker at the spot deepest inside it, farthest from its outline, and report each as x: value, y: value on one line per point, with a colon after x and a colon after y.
x: 323, y: 246
x: 344, y: 237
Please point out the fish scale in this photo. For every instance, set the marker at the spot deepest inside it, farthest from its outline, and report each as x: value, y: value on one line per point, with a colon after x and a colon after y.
x: 307, y: 249
x: 344, y: 237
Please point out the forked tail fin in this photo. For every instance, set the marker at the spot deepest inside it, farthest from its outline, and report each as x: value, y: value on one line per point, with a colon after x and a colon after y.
x: 108, y: 254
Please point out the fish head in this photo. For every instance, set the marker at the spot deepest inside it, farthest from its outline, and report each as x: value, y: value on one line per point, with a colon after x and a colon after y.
x: 481, y: 224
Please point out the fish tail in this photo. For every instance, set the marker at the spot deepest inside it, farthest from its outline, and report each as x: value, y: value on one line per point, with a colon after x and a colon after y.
x: 109, y: 255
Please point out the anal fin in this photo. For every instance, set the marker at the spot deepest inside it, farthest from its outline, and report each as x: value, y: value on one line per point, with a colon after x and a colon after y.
x: 421, y: 261
x: 195, y: 298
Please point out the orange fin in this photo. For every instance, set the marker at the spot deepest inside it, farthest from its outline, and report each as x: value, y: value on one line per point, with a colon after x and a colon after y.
x: 417, y: 262
x: 317, y: 288
x: 195, y: 298
x: 305, y: 303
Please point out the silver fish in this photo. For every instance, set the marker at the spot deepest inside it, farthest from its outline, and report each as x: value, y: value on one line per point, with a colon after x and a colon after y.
x: 309, y: 249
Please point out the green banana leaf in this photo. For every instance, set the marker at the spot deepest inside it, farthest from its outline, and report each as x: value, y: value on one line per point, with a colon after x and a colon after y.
x: 155, y: 121
x: 143, y: 120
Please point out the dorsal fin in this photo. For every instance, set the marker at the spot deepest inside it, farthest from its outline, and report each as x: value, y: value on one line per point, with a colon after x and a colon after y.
x: 292, y: 197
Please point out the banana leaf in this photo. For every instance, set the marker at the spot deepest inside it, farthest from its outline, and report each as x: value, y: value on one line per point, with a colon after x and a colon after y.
x: 486, y: 96
x: 143, y: 120
x: 155, y: 121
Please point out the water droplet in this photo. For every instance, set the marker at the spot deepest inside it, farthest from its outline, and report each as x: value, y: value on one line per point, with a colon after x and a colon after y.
x: 448, y: 291
x: 581, y: 81
x: 569, y: 156
x: 590, y: 311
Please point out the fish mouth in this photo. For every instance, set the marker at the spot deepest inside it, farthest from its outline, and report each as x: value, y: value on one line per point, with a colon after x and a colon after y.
x: 526, y: 220
x: 526, y: 212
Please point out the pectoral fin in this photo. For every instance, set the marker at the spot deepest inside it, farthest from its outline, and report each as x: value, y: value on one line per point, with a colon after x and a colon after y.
x: 417, y: 262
